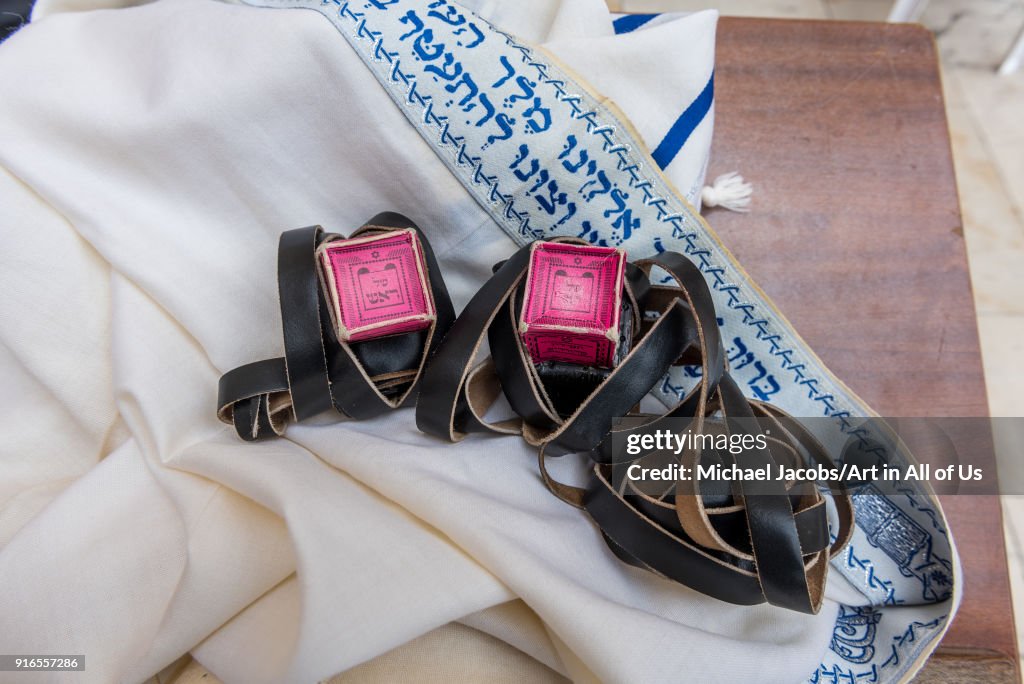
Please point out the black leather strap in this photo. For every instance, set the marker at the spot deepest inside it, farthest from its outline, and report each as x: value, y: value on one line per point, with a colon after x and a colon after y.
x: 318, y: 372
x: 299, y: 291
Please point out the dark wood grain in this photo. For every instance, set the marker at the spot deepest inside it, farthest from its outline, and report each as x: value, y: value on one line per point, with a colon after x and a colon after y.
x: 855, y: 233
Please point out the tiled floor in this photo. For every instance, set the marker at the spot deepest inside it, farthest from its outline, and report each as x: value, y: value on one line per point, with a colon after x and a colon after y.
x: 986, y: 119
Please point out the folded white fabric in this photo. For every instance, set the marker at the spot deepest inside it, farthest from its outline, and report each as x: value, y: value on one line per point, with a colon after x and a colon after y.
x: 151, y: 157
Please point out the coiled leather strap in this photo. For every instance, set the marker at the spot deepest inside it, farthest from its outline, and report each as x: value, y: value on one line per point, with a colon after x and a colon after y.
x: 317, y: 371
x: 744, y: 545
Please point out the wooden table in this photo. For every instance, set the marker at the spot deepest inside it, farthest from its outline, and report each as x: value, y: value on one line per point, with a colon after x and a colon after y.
x: 842, y: 129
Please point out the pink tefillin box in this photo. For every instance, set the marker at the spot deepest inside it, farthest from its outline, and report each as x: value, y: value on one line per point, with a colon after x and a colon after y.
x: 377, y: 285
x: 572, y: 303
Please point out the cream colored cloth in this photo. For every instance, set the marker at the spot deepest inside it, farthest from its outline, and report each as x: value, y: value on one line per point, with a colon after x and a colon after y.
x: 149, y: 159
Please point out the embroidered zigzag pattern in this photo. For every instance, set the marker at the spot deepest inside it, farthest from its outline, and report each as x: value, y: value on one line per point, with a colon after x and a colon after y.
x: 839, y: 675
x: 913, y: 632
x: 873, y: 581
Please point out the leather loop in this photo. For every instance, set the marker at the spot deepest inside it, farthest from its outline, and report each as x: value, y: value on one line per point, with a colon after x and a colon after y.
x: 318, y: 371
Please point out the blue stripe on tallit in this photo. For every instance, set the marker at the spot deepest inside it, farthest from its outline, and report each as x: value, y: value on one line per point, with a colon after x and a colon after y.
x: 684, y: 126
x: 688, y: 121
x: 631, y: 22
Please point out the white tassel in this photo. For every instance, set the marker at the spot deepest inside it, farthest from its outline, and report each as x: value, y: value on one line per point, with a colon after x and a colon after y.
x: 729, y: 191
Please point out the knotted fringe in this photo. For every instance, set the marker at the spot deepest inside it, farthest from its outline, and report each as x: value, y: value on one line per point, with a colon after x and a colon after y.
x: 729, y: 191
